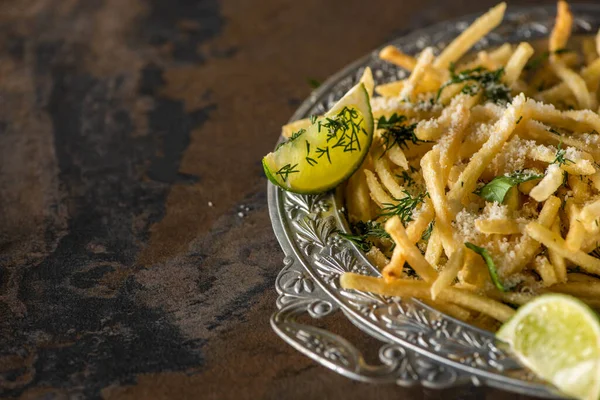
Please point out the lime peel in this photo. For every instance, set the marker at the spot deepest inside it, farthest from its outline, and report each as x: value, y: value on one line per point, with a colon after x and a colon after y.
x: 328, y: 151
x: 558, y: 338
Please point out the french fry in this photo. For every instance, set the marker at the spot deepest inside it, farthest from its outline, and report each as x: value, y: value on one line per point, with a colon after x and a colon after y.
x: 377, y: 192
x: 560, y: 266
x: 436, y: 189
x: 377, y: 258
x: 434, y: 249
x: 387, y: 177
x: 449, y: 145
x: 576, y: 83
x: 579, y: 277
x: 589, y: 50
x: 420, y: 289
x: 478, y: 29
x: 498, y: 226
x: 546, y: 270
x: 452, y: 310
x: 517, y: 62
x: 579, y: 289
x: 397, y: 156
x: 449, y: 273
x: 581, y: 163
x: 357, y: 198
x: 548, y: 185
x: 395, y: 56
x: 556, y: 243
x: 575, y: 236
x: 412, y: 254
x: 414, y: 231
x: 423, y: 62
x: 562, y: 27
x: 528, y: 247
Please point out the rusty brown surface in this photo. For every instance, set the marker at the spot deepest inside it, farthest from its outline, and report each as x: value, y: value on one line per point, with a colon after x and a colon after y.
x: 119, y: 121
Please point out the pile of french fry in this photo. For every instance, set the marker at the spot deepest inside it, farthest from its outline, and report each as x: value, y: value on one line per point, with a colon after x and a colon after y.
x: 465, y: 141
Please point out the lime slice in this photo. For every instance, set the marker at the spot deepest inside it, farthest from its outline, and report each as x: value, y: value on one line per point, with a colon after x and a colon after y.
x: 325, y: 154
x: 558, y: 338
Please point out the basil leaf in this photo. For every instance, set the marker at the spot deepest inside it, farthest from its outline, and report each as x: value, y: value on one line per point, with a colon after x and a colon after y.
x: 497, y: 189
x: 490, y: 264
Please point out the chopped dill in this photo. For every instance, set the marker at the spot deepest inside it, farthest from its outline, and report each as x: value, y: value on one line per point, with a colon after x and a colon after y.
x: 286, y: 170
x: 489, y: 81
x: 560, y: 158
x: 294, y: 136
x: 405, y: 207
x: 363, y: 232
x: 427, y: 233
x: 343, y: 129
x: 396, y: 132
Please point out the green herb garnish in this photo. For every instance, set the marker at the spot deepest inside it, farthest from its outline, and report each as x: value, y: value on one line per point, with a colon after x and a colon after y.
x: 405, y: 207
x: 395, y: 132
x: 489, y: 81
x: 294, y: 136
x: 490, y: 264
x: 363, y: 231
x: 560, y: 158
x: 427, y: 234
x: 286, y: 170
x: 497, y: 189
x: 343, y: 129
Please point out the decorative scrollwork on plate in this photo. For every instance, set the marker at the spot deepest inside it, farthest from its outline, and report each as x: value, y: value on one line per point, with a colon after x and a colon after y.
x: 424, y: 345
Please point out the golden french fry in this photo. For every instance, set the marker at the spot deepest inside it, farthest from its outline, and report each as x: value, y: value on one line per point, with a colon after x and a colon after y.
x: 377, y: 258
x: 478, y: 29
x: 395, y: 56
x: 546, y: 270
x: 420, y: 289
x: 498, y: 226
x: 556, y: 243
x: 560, y: 266
x: 358, y: 198
x: 434, y: 249
x: 528, y: 247
x: 449, y: 273
x: 397, y: 156
x: 423, y: 62
x: 517, y: 62
x: 562, y: 27
x: 436, y: 189
x: 579, y: 289
x: 411, y: 252
x: 387, y: 177
x: 576, y: 83
x: 589, y: 50
x: 548, y: 185
x: 378, y: 194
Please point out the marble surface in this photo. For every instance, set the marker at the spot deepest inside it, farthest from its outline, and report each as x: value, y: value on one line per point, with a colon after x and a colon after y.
x: 137, y: 259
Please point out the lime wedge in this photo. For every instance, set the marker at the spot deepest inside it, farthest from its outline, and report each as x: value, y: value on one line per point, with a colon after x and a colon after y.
x: 558, y: 338
x: 326, y: 153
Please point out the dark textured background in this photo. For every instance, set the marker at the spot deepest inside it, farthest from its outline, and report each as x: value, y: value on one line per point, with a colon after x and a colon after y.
x: 119, y: 121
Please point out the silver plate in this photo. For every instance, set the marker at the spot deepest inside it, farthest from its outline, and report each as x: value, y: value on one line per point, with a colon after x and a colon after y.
x: 419, y: 345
